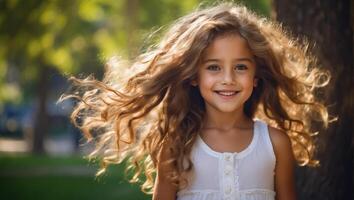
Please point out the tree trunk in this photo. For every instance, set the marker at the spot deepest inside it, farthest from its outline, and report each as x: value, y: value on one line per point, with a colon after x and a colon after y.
x: 41, y: 121
x: 329, y: 25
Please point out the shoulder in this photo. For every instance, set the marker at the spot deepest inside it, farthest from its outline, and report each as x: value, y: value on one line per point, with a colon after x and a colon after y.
x: 285, y: 164
x: 280, y: 140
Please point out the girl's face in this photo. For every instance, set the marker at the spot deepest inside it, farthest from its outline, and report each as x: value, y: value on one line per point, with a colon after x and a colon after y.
x: 226, y: 74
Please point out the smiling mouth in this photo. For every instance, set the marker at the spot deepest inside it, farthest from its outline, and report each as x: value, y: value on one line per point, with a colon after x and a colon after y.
x: 227, y: 93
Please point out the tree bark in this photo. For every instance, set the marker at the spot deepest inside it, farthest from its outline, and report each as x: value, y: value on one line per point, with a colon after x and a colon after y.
x: 329, y: 24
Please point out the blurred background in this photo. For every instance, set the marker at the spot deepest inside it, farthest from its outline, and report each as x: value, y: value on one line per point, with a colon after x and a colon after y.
x: 42, y: 42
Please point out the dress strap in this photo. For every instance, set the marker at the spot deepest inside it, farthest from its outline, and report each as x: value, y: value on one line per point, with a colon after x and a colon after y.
x: 264, y: 131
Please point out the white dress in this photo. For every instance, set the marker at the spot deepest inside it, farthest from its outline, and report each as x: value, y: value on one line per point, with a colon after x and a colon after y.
x: 247, y: 175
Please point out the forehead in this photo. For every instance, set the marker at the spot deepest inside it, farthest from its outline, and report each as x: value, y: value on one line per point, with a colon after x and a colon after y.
x: 228, y: 46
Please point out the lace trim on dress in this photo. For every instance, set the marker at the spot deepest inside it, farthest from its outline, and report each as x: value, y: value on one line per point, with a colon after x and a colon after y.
x: 183, y: 192
x: 251, y: 194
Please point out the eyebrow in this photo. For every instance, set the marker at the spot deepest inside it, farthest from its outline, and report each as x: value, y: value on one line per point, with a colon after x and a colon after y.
x: 237, y: 59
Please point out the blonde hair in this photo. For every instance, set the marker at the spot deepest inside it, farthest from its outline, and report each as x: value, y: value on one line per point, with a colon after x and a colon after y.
x: 158, y: 108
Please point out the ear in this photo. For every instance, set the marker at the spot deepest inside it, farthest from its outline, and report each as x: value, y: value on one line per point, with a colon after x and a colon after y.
x: 255, y: 82
x: 194, y: 83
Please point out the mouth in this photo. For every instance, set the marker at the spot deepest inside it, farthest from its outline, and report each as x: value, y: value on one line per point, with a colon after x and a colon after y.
x: 227, y: 93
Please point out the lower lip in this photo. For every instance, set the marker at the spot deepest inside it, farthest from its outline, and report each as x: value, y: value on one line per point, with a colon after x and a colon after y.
x: 228, y: 96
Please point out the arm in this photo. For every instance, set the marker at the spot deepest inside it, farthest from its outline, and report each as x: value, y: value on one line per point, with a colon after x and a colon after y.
x: 163, y: 188
x: 284, y: 169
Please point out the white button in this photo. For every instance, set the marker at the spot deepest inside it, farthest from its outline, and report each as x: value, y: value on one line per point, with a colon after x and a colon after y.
x: 228, y: 157
x: 228, y: 190
x: 228, y: 169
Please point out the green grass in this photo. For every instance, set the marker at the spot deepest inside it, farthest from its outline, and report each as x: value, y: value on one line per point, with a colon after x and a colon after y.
x: 35, y: 177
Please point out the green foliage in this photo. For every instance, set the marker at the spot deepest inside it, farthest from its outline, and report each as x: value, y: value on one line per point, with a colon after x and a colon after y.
x: 261, y: 7
x: 65, y: 35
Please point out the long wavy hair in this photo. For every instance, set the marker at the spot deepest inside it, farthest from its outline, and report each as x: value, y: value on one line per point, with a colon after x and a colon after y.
x: 156, y: 108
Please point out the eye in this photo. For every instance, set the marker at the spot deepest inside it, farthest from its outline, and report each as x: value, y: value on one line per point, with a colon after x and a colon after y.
x: 241, y: 67
x: 213, y: 67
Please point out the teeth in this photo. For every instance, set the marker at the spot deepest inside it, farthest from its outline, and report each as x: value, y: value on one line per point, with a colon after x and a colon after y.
x: 226, y: 93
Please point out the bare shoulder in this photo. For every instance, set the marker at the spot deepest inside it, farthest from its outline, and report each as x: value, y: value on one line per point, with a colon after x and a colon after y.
x: 285, y: 163
x: 280, y: 140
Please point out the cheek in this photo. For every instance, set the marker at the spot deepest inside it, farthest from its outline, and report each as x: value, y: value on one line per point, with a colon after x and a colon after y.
x: 248, y: 81
x: 205, y: 81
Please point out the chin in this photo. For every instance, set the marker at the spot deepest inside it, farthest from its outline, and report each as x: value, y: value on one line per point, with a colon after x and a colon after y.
x: 229, y: 110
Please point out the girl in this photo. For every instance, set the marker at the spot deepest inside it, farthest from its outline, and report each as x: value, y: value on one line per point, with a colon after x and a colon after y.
x: 219, y: 109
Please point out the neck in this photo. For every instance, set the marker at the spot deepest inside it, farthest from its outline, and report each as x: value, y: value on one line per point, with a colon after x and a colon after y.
x: 226, y: 121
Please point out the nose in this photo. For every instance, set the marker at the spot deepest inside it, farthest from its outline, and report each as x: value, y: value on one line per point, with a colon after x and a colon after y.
x: 228, y: 77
